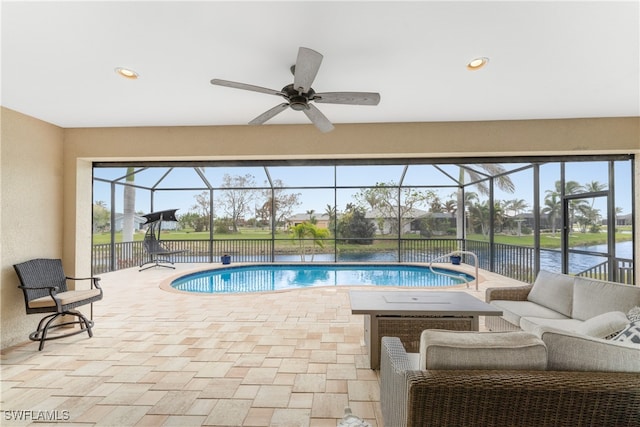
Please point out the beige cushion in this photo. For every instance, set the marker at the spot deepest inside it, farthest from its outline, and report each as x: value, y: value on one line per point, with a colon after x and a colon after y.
x: 573, y: 352
x: 554, y: 291
x: 603, y: 325
x: 530, y: 324
x: 68, y: 297
x: 512, y: 311
x: 594, y: 297
x: 441, y: 349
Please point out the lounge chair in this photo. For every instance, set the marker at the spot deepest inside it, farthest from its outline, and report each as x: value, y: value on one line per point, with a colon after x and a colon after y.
x: 44, y: 286
x: 158, y: 253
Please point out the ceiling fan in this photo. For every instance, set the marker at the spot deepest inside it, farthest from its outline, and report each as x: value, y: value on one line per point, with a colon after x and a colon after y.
x: 299, y: 95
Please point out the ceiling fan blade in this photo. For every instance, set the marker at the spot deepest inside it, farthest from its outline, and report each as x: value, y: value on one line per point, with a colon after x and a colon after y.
x: 245, y: 86
x: 318, y: 119
x: 269, y: 114
x: 306, y: 68
x: 352, y: 98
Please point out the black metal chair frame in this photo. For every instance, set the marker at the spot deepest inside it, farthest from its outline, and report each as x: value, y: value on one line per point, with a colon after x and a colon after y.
x: 152, y: 244
x: 44, y: 277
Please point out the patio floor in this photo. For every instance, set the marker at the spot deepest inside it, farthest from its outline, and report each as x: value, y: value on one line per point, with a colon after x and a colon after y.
x: 158, y: 358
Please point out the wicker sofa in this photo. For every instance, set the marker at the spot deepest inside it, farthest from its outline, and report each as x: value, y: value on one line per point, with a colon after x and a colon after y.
x: 581, y: 305
x: 465, y: 383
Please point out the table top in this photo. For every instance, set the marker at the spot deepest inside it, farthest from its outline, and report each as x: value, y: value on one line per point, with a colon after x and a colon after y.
x: 419, y: 303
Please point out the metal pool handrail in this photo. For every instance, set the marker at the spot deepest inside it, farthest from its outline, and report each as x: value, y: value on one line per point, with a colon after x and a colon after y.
x: 475, y: 260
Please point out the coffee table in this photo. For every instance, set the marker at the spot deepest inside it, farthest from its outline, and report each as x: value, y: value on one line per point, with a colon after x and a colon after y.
x: 405, y: 314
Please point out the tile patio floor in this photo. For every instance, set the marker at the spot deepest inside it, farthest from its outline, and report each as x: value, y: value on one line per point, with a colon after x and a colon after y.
x: 157, y: 358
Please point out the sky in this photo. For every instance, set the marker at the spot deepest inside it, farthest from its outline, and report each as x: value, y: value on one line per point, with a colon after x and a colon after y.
x: 353, y: 176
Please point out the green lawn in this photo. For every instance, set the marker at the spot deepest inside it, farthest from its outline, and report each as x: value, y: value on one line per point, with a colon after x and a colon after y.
x: 549, y: 241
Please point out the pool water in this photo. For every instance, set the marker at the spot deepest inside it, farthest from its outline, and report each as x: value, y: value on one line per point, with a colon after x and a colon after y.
x: 271, y: 277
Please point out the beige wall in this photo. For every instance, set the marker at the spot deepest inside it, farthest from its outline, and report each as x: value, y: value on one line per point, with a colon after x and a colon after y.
x: 31, y: 186
x: 82, y: 146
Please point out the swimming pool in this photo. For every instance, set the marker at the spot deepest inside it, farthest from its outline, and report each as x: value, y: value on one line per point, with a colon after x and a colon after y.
x: 272, y: 277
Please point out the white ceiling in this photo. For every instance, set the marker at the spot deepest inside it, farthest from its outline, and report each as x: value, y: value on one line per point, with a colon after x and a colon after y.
x: 547, y: 59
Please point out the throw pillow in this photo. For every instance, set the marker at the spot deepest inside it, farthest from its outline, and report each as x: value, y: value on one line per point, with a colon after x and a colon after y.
x: 630, y: 334
x: 634, y: 314
x: 605, y: 325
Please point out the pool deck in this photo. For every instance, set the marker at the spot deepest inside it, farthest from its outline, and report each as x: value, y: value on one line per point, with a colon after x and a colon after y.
x: 169, y: 358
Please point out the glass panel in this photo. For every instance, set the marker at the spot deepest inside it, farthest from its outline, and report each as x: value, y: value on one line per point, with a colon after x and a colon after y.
x: 101, y: 212
x: 184, y: 200
x: 308, y: 232
x: 475, y: 172
x: 287, y: 204
x: 623, y: 228
x: 513, y: 209
x: 380, y: 206
x: 227, y: 176
x: 427, y: 175
x: 551, y: 260
x: 586, y: 177
x: 589, y: 265
x: 477, y: 211
x: 109, y: 173
x: 453, y: 171
x: 303, y: 176
x: 416, y: 205
x: 358, y: 228
x: 150, y: 177
x: 439, y: 216
x: 182, y: 178
x: 550, y: 205
x: 348, y: 176
x: 585, y: 224
x: 232, y: 208
x: 588, y: 238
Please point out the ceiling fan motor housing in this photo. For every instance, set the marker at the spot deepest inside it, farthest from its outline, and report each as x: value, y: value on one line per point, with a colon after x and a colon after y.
x: 298, y: 101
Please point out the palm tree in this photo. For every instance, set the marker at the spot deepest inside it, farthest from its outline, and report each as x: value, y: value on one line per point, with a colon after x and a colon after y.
x: 493, y: 169
x: 318, y: 235
x: 299, y: 232
x: 552, y: 208
x: 451, y: 208
x: 479, y: 217
x: 312, y: 218
x: 594, y: 187
x: 570, y: 188
x: 331, y: 212
x: 306, y: 230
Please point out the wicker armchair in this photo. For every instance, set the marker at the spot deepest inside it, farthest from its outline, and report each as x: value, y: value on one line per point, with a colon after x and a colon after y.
x: 44, y: 286
x: 537, y: 398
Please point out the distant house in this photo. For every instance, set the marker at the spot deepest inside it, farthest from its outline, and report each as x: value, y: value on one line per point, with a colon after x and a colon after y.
x: 387, y: 225
x: 137, y: 222
x: 624, y: 219
x: 320, y: 220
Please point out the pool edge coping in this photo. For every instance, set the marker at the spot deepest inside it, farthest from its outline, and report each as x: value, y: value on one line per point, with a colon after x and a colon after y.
x: 165, y: 284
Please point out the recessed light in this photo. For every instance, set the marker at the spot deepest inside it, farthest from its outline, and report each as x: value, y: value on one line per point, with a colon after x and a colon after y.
x: 477, y: 63
x: 127, y: 73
